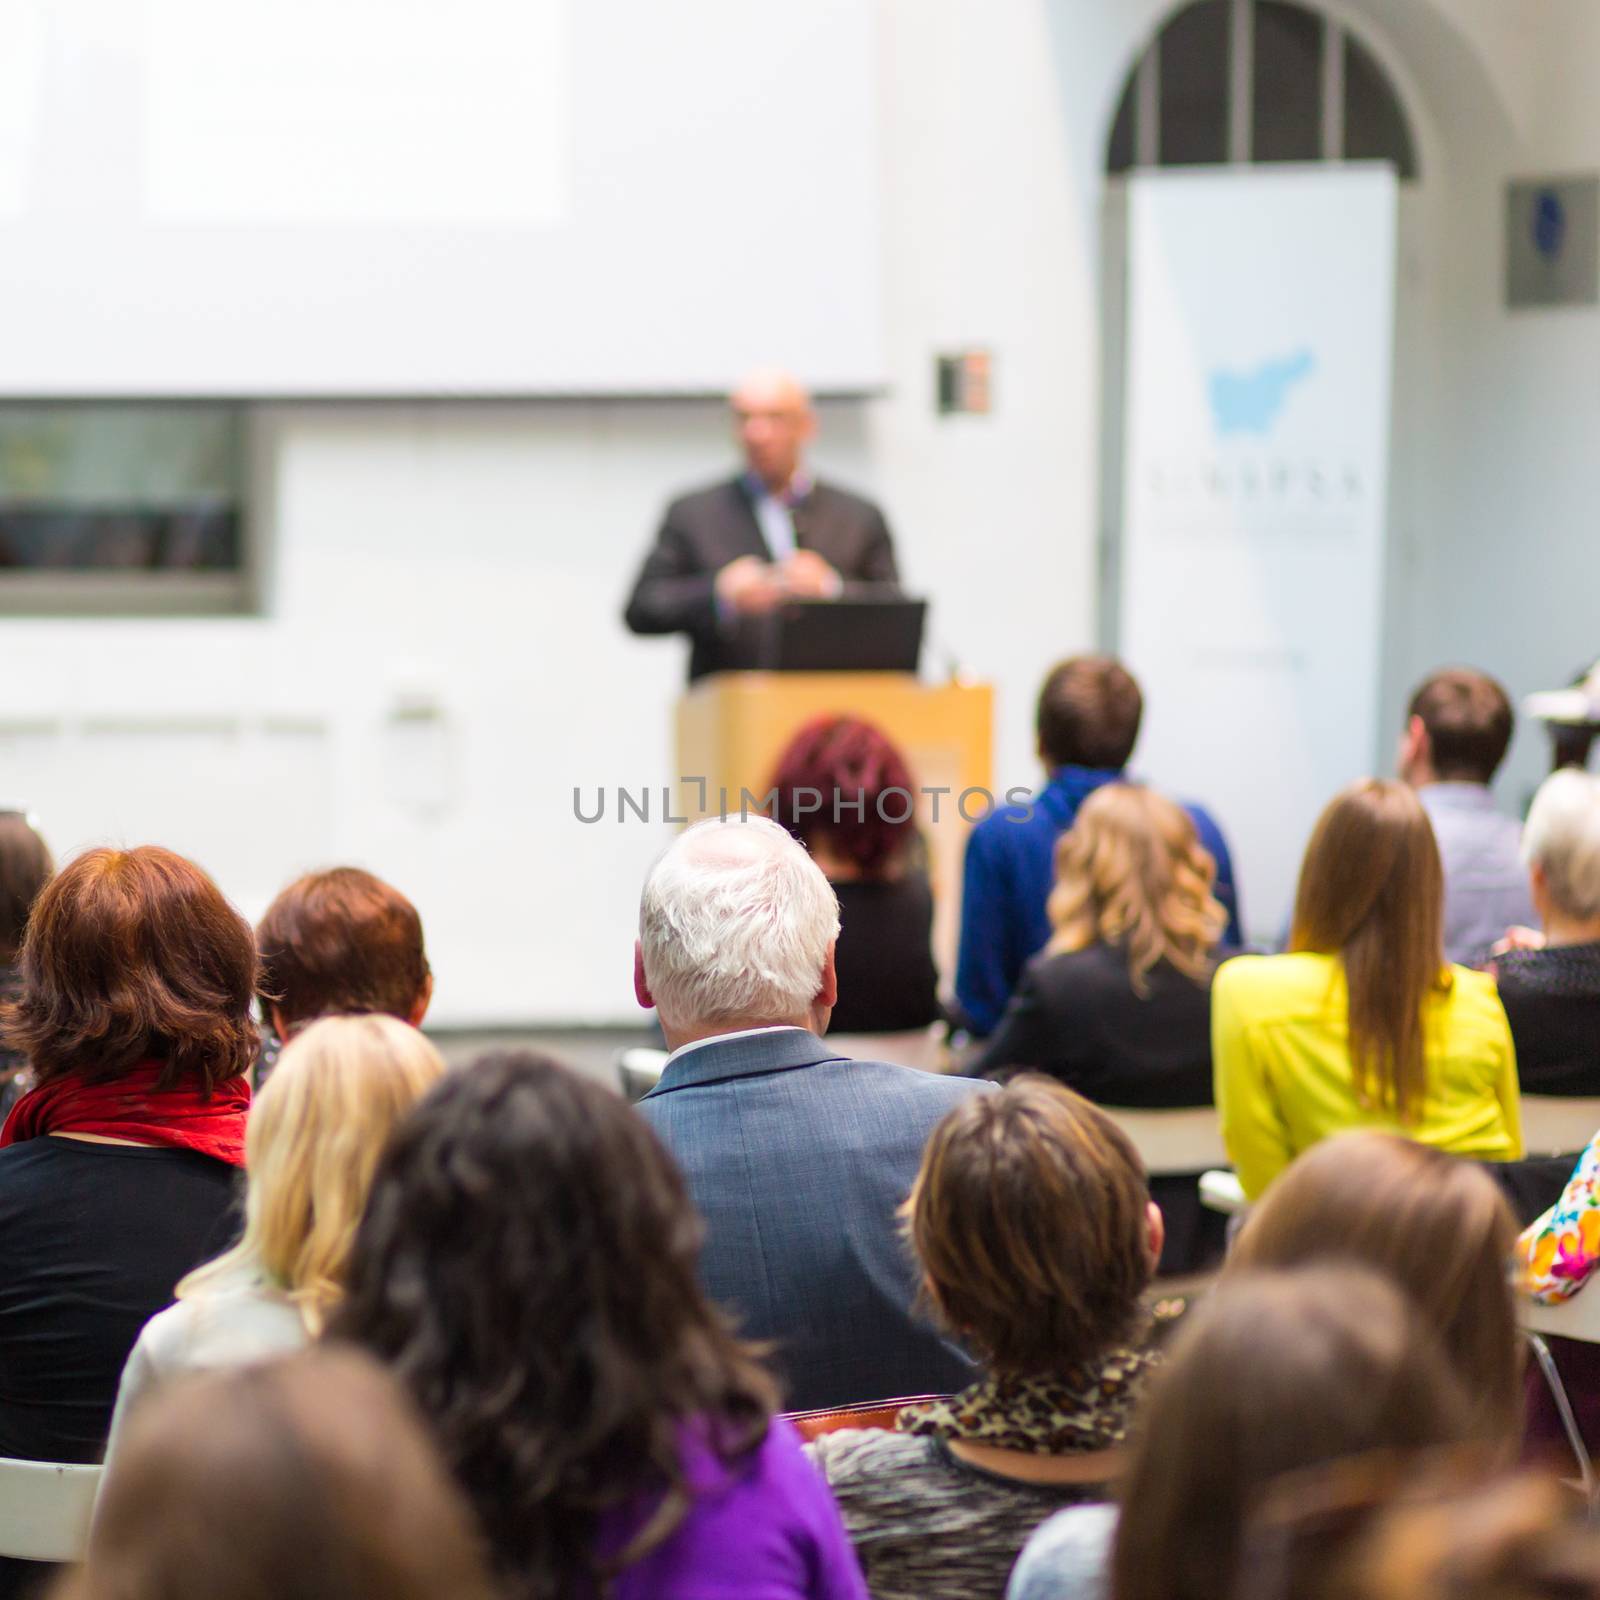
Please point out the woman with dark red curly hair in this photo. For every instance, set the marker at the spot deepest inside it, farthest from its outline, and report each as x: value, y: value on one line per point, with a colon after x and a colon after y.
x: 117, y: 1170
x: 845, y: 792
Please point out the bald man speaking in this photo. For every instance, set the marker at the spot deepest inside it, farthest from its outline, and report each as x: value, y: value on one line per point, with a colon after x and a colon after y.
x: 740, y: 548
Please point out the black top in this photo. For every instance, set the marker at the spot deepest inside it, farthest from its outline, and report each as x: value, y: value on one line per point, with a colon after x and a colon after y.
x: 1552, y: 999
x: 93, y: 1239
x: 887, y: 980
x: 1077, y: 1018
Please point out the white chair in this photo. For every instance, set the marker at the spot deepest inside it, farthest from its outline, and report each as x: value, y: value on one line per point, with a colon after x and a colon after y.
x: 1222, y: 1191
x: 1187, y: 1139
x: 1577, y: 1318
x: 45, y: 1508
x: 1558, y: 1125
x: 639, y: 1070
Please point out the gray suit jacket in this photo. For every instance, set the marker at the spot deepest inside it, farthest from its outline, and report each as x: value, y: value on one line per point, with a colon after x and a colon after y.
x: 797, y: 1159
x: 702, y: 532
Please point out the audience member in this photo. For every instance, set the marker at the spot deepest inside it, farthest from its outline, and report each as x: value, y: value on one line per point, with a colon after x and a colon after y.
x: 303, y: 1479
x: 1522, y: 1538
x: 1088, y: 720
x: 118, y: 1169
x: 1036, y: 1237
x: 1275, y: 1373
x: 1118, y: 1004
x: 1458, y: 728
x: 846, y: 793
x: 342, y: 942
x: 1437, y: 1226
x: 1362, y: 1023
x: 1550, y: 986
x: 796, y: 1157
x: 527, y: 1266
x: 25, y: 868
x: 315, y: 1134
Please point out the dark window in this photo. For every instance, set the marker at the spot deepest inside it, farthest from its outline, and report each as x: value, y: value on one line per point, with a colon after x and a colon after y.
x: 1375, y: 127
x: 1286, y: 116
x: 1285, y: 76
x: 107, y: 507
x: 1119, y: 155
x: 1194, y: 86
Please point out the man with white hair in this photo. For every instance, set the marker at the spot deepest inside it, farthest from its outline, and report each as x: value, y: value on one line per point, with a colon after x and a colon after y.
x: 797, y: 1158
x: 741, y: 547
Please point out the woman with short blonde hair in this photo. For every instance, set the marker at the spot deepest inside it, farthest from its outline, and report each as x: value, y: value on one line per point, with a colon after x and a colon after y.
x: 315, y: 1135
x: 1117, y: 1005
x: 1362, y: 1023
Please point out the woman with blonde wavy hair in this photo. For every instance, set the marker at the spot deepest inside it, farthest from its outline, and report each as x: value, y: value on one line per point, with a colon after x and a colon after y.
x: 1117, y: 1005
x: 315, y: 1134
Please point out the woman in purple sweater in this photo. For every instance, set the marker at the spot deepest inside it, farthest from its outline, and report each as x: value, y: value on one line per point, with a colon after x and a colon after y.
x: 527, y: 1266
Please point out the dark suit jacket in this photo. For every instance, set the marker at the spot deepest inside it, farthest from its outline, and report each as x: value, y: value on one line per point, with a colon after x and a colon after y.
x: 797, y: 1159
x: 1076, y: 1017
x: 702, y: 532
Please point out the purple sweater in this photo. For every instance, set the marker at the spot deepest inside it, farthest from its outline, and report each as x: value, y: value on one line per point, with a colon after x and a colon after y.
x: 767, y: 1529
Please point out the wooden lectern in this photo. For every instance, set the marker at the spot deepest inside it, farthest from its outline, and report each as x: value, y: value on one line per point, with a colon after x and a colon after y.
x: 733, y: 726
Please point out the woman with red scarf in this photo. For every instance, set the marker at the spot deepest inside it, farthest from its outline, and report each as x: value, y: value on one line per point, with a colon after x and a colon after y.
x: 117, y: 1171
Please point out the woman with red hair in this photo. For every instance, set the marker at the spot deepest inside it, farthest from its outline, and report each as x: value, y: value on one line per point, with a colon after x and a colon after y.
x: 845, y: 792
x: 117, y: 1170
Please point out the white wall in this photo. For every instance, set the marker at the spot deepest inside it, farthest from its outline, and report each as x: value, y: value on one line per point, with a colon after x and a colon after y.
x: 473, y: 560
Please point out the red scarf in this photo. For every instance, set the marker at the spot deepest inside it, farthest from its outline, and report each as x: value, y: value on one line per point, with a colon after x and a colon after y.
x: 130, y: 1107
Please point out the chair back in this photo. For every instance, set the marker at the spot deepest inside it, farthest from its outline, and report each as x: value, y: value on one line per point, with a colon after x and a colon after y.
x: 639, y: 1070
x: 1186, y: 1140
x: 45, y: 1508
x: 878, y: 1414
x: 1558, y: 1125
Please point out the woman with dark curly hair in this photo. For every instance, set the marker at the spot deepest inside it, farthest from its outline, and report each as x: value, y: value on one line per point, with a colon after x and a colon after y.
x: 528, y: 1267
x: 845, y: 792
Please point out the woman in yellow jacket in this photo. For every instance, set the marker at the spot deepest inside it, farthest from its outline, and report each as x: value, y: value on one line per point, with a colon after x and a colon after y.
x: 1362, y: 1023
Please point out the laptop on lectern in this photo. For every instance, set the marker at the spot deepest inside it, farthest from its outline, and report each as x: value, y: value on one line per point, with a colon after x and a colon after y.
x: 856, y: 633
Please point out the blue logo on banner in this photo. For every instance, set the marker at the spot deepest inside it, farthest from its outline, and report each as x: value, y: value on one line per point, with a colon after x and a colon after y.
x: 1251, y: 402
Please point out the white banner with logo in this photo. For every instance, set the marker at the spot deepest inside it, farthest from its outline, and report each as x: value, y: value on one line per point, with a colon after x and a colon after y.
x: 1260, y: 315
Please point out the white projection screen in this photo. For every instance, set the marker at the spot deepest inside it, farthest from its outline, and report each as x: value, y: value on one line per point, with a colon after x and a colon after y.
x: 405, y: 197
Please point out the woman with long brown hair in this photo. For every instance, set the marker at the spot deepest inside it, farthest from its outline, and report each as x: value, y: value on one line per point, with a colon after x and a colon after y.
x: 1362, y: 1023
x: 310, y: 1478
x: 1117, y: 1005
x: 1437, y: 1226
x: 1277, y: 1373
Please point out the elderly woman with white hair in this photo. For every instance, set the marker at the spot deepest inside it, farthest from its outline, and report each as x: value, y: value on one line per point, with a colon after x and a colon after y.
x: 1550, y: 981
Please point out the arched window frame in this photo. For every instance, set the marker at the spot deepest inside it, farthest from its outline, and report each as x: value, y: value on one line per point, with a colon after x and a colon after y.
x: 1347, y: 68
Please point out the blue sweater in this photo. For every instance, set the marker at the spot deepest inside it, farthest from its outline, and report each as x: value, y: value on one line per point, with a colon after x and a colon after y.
x: 1010, y: 870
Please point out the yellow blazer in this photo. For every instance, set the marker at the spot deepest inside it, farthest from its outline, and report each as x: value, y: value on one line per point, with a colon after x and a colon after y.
x: 1280, y: 1053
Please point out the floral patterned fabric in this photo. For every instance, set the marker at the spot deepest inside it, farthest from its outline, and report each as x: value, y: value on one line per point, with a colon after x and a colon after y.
x: 1562, y: 1248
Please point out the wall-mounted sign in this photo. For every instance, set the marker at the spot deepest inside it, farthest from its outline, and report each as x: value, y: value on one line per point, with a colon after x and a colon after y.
x: 1553, y: 242
x: 964, y: 382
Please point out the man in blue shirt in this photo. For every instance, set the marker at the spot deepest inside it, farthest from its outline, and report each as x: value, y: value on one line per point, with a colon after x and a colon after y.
x: 1088, y: 722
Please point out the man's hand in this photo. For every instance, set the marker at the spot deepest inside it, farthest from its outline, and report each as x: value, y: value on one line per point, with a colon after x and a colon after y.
x: 748, y: 587
x: 807, y: 576
x: 1519, y: 938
